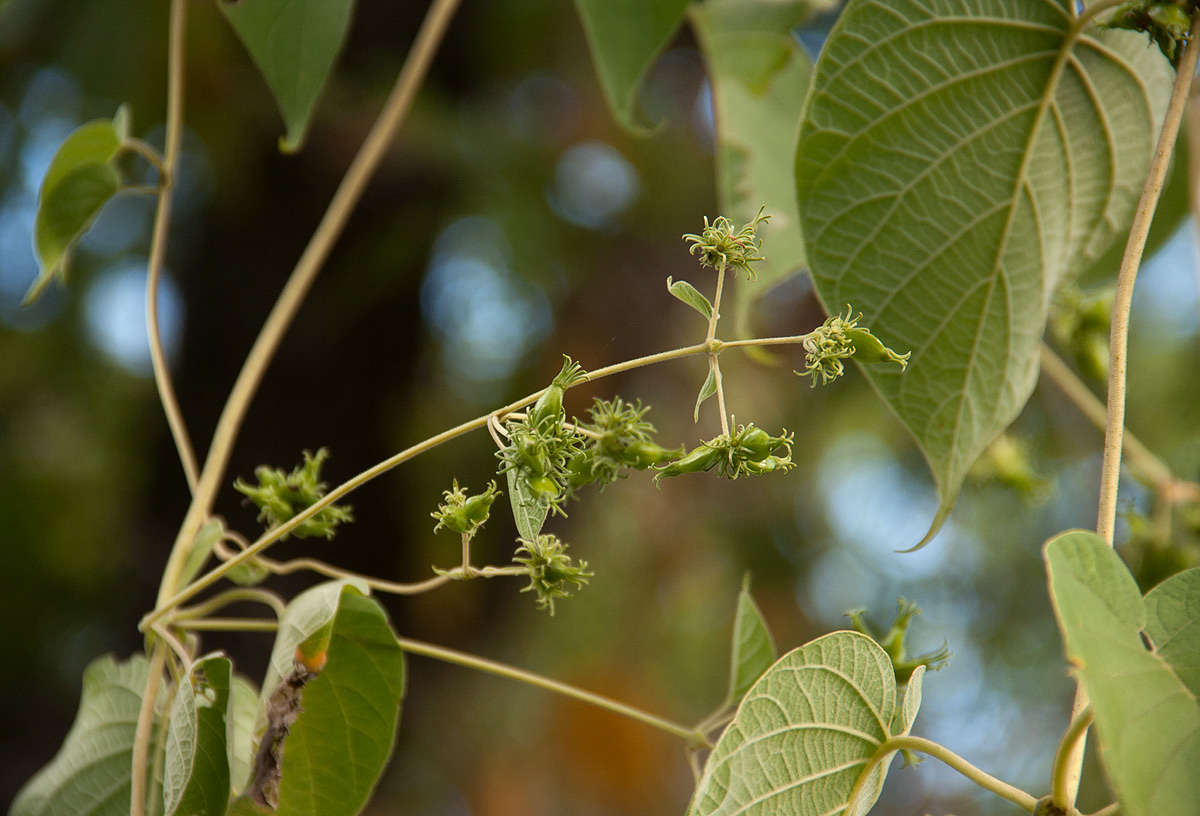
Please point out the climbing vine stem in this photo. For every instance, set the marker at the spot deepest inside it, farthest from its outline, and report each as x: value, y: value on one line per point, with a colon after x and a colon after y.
x: 690, y: 735
x: 1118, y: 341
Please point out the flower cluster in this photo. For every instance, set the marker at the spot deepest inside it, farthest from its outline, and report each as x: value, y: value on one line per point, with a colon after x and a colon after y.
x: 722, y: 246
x: 463, y: 513
x: 893, y: 641
x: 280, y: 496
x: 747, y: 451
x: 839, y: 338
x: 618, y: 437
x: 552, y: 575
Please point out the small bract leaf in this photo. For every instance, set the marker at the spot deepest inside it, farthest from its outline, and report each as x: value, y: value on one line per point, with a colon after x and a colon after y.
x: 1147, y: 720
x: 339, y: 744
x: 294, y: 43
x: 753, y: 647
x: 690, y: 295
x: 77, y: 184
x: 91, y: 774
x: 707, y: 390
x: 1173, y: 625
x: 529, y: 511
x: 947, y: 198
x: 207, y: 537
x: 625, y: 37
x: 805, y: 732
x: 196, y: 771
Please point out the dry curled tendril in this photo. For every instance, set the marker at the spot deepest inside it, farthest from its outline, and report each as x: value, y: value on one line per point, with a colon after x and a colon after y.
x: 840, y: 338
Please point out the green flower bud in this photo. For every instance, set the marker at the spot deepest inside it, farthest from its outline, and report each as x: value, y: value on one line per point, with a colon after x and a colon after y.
x: 549, y: 406
x: 869, y: 349
x: 461, y: 513
x: 280, y: 496
x: 699, y: 459
x: 644, y: 455
x: 893, y: 641
x: 552, y: 575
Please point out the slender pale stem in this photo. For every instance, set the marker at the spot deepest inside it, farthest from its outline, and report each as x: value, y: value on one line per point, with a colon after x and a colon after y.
x: 149, y: 153
x: 145, y: 723
x: 1141, y: 459
x: 353, y: 184
x: 1118, y: 340
x: 208, y: 579
x: 1060, y: 777
x: 167, y: 169
x: 691, y: 735
x: 714, y: 364
x: 228, y: 625
x: 1193, y: 159
x: 229, y: 596
x: 984, y: 780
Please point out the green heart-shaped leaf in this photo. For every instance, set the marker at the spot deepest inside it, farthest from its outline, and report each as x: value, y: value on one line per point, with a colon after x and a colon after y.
x: 806, y: 731
x: 196, y: 770
x: 957, y: 163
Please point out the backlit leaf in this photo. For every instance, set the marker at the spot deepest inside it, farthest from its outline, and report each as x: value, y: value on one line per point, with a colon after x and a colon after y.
x: 806, y: 731
x: 753, y: 648
x: 625, y: 37
x: 91, y: 774
x: 529, y: 510
x: 1173, y: 625
x: 957, y: 163
x: 294, y: 43
x: 1146, y: 719
x: 706, y: 390
x: 759, y: 76
x: 686, y: 293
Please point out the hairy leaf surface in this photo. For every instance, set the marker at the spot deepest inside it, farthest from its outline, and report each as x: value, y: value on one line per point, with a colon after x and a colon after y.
x: 294, y: 44
x: 958, y: 161
x: 529, y: 511
x: 91, y: 774
x: 806, y: 731
x: 196, y: 770
x: 625, y: 37
x: 1173, y: 625
x: 1147, y: 720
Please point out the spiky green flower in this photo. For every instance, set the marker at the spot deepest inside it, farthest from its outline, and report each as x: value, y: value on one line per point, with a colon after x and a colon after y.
x: 746, y: 451
x: 893, y: 641
x: 552, y: 575
x: 840, y: 338
x: 721, y: 245
x: 460, y: 512
x: 280, y: 496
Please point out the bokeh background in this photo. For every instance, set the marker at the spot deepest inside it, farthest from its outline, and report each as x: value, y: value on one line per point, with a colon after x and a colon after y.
x: 512, y: 222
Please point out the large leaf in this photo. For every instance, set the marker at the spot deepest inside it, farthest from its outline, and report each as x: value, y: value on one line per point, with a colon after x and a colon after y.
x: 1147, y: 720
x: 342, y: 739
x: 625, y: 37
x: 753, y: 647
x: 196, y: 772
x: 759, y: 76
x: 529, y: 510
x: 1173, y: 625
x: 806, y: 731
x: 957, y: 162
x: 78, y: 183
x: 90, y: 774
x: 308, y: 613
x: 294, y: 44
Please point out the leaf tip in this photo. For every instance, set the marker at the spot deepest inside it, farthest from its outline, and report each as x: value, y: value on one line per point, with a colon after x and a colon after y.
x: 935, y: 527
